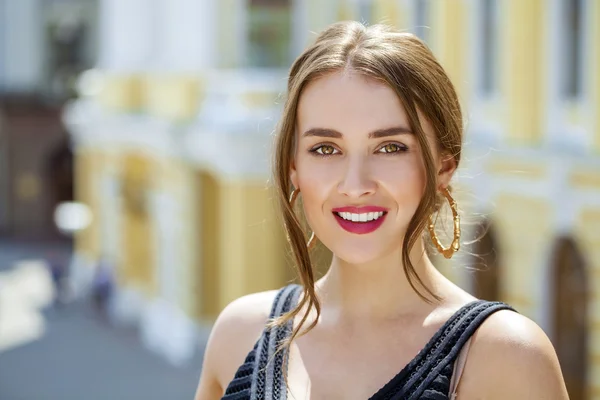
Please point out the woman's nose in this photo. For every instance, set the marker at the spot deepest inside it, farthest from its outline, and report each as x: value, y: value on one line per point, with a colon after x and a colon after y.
x: 356, y: 180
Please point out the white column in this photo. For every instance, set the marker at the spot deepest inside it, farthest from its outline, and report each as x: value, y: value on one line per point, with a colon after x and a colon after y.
x: 128, y: 34
x: 188, y: 33
x: 110, y: 211
x: 167, y: 224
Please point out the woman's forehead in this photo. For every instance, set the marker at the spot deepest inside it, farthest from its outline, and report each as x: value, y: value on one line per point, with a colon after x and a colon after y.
x: 351, y: 103
x: 349, y: 100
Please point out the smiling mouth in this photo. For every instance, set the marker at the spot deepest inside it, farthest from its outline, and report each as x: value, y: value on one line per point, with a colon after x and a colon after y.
x: 360, y: 223
x: 362, y: 217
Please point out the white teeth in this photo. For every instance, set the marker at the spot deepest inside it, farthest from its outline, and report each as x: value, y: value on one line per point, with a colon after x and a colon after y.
x: 363, y: 217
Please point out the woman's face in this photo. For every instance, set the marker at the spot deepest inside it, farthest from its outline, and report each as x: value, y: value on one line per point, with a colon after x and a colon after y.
x: 358, y: 165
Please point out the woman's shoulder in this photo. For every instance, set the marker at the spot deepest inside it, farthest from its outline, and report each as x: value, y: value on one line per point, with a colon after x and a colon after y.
x: 511, y: 357
x: 234, y: 333
x: 247, y: 311
x: 240, y: 324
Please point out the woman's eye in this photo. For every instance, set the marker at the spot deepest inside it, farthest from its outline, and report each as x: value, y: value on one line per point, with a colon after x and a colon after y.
x: 392, y: 148
x: 325, y: 150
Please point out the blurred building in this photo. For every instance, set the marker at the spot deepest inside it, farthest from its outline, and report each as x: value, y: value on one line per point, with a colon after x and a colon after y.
x: 44, y: 45
x: 172, y: 138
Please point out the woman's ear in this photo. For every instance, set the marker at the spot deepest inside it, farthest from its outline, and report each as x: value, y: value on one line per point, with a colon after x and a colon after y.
x: 447, y: 167
x: 294, y: 174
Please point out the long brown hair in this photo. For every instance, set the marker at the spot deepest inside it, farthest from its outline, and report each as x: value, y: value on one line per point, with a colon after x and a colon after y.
x: 404, y: 63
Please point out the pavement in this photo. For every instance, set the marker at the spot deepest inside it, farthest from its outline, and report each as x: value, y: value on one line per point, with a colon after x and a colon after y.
x: 15, y: 251
x: 81, y: 356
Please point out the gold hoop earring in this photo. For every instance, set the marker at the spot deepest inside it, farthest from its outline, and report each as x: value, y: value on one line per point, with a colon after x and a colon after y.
x: 312, y: 241
x: 447, y: 252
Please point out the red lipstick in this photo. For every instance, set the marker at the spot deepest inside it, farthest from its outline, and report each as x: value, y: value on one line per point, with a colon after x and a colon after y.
x: 359, y: 227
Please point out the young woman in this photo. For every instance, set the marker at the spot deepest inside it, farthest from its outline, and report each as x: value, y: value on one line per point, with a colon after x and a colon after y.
x: 370, y: 138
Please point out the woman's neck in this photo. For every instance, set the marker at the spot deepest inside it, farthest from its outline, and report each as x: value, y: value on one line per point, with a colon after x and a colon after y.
x: 378, y: 290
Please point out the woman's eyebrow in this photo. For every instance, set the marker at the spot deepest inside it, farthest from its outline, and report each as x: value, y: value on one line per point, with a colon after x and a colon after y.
x: 396, y: 130
x: 323, y: 132
x: 377, y: 134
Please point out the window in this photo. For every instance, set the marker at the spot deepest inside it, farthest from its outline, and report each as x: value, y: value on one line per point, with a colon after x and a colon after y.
x: 364, y: 12
x: 488, y: 78
x: 572, y: 48
x: 421, y: 19
x: 269, y: 33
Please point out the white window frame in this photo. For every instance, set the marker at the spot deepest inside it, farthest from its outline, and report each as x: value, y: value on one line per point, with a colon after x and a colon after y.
x: 481, y: 126
x: 575, y: 137
x: 478, y: 46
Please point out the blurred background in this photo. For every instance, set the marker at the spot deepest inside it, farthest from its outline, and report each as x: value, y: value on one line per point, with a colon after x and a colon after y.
x: 135, y: 148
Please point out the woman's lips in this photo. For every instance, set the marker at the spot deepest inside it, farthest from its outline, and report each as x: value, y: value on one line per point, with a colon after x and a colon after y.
x: 360, y: 227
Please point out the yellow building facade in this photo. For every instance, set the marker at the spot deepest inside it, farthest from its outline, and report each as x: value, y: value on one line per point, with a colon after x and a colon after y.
x: 173, y: 155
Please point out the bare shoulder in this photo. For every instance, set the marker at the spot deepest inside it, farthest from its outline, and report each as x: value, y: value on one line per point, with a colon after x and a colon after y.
x: 511, y: 358
x: 233, y: 335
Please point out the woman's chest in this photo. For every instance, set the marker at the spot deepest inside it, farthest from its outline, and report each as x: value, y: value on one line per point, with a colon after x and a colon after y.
x: 346, y: 368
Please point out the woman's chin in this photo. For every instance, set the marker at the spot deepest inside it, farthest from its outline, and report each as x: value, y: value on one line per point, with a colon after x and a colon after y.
x: 358, y: 255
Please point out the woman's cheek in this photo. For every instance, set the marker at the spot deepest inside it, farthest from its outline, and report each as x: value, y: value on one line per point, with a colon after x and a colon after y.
x: 319, y: 172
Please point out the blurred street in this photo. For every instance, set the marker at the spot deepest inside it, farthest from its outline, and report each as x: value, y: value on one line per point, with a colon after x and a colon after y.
x: 13, y: 251
x: 82, y: 357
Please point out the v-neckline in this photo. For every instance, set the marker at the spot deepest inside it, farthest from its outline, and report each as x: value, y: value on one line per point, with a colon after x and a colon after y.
x: 399, y: 377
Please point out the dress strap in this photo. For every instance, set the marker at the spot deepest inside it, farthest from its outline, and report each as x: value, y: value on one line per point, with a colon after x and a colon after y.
x: 267, y: 380
x: 284, y: 300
